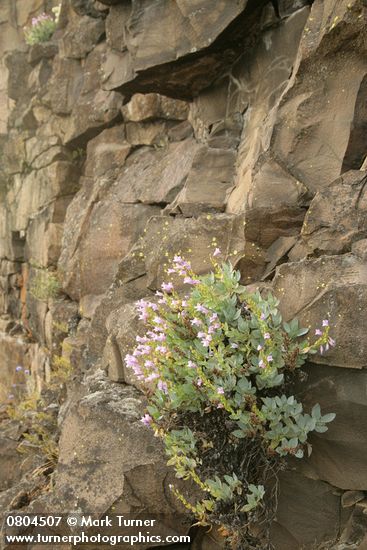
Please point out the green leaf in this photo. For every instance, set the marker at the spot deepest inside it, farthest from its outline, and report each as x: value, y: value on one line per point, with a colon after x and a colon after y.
x: 239, y: 434
x: 328, y: 417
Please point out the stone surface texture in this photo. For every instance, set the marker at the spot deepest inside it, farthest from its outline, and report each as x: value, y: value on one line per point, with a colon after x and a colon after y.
x: 145, y: 128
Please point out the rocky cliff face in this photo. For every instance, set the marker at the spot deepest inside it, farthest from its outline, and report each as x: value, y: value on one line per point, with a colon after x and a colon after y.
x: 147, y: 127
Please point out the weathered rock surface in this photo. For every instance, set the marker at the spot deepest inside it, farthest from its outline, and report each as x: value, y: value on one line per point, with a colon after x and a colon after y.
x: 308, y: 513
x: 12, y: 354
x: 338, y: 456
x: 336, y: 219
x: 103, y: 442
x: 174, y: 48
x: 309, y: 290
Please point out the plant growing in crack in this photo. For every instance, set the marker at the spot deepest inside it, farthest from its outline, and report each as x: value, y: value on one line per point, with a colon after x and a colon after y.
x: 45, y: 285
x: 218, y: 366
x: 42, y: 27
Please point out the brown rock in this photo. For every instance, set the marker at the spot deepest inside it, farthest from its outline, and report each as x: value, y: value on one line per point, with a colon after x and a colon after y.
x: 310, y: 290
x: 287, y: 7
x: 171, y: 48
x: 193, y: 237
x: 338, y: 455
x: 81, y: 36
x: 116, y: 25
x: 337, y: 217
x: 44, y: 234
x: 19, y: 69
x: 359, y: 249
x: 10, y: 462
x: 208, y: 183
x: 86, y: 123
x: 111, y: 2
x: 350, y: 498
x: 155, y: 176
x: 98, y: 235
x: 94, y: 109
x: 143, y: 268
x: 275, y: 205
x: 43, y: 50
x: 30, y: 193
x: 61, y: 319
x: 147, y: 106
x: 355, y: 531
x: 13, y: 352
x: 316, y: 113
x: 122, y: 327
x: 64, y: 86
x: 104, y: 442
x: 42, y: 151
x: 307, y: 515
x: 107, y: 152
x: 148, y: 133
x: 258, y: 97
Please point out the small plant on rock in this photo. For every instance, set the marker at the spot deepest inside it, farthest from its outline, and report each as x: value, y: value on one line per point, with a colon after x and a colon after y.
x: 218, y: 365
x: 42, y: 27
x: 45, y: 285
x: 37, y: 413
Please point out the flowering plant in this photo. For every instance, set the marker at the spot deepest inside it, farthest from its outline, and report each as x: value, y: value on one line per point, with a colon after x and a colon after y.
x: 217, y: 364
x: 42, y: 27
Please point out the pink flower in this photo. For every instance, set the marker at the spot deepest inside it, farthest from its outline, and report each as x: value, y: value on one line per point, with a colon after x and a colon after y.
x: 191, y: 365
x: 167, y: 287
x: 261, y: 364
x: 190, y: 281
x: 142, y: 339
x: 234, y: 346
x: 259, y: 347
x: 196, y: 322
x: 162, y: 386
x: 269, y: 358
x: 217, y: 252
x: 146, y: 420
x: 318, y: 332
x: 201, y: 309
x: 162, y: 349
x: 143, y: 349
x: 325, y: 323
x: 160, y: 337
x: 206, y: 341
x: 330, y: 340
x: 267, y: 336
x: 220, y: 391
x: 152, y: 376
x: 199, y: 382
x: 131, y: 361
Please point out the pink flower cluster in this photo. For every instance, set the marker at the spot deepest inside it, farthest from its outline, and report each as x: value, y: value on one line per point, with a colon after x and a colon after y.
x: 181, y: 267
x: 206, y: 336
x: 330, y: 341
x: 40, y: 18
